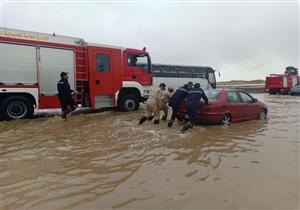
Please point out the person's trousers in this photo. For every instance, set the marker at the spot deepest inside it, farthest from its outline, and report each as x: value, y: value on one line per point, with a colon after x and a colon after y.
x: 67, y: 106
x: 192, y: 112
x: 175, y: 110
x: 152, y: 111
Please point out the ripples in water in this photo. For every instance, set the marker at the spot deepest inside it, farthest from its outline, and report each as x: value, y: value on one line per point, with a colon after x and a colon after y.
x: 106, y: 160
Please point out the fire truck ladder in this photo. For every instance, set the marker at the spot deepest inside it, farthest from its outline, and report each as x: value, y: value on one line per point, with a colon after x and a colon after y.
x: 81, y: 73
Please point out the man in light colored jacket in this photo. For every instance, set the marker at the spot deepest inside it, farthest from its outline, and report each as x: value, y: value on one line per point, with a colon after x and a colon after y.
x: 153, y: 105
x: 164, y: 102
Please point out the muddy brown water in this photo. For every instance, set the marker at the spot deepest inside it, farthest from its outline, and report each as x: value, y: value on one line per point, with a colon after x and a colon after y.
x: 105, y: 160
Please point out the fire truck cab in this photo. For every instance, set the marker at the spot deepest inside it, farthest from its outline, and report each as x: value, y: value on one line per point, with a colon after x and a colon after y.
x: 103, y: 75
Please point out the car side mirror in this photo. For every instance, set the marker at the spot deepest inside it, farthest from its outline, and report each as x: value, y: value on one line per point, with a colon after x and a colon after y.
x: 254, y: 100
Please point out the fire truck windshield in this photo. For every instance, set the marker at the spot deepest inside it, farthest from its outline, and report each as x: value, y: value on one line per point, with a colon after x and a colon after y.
x: 141, y: 61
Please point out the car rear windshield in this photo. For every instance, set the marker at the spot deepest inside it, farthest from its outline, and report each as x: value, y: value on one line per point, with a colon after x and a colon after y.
x: 212, y: 94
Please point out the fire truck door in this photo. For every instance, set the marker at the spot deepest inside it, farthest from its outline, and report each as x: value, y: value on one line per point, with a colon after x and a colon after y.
x: 101, y: 77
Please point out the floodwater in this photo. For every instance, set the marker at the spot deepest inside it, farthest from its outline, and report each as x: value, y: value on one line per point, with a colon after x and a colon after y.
x: 105, y: 160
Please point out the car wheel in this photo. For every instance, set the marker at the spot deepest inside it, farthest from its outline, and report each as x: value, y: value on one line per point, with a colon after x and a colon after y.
x: 272, y: 91
x: 262, y: 115
x: 227, y: 119
x: 16, y: 107
x: 129, y: 103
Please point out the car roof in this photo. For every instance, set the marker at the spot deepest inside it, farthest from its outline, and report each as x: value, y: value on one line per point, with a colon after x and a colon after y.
x: 228, y: 89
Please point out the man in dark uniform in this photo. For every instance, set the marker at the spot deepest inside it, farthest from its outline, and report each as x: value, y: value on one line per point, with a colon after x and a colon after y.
x: 65, y: 95
x: 193, y: 105
x: 175, y: 101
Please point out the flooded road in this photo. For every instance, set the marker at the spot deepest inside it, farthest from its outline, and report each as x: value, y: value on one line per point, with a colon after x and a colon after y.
x: 105, y: 160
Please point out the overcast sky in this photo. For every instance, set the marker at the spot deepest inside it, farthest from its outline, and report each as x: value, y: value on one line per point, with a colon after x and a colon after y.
x: 245, y: 40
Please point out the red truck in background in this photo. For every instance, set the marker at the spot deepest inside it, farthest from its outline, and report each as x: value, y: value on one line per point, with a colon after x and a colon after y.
x: 103, y: 75
x: 282, y: 83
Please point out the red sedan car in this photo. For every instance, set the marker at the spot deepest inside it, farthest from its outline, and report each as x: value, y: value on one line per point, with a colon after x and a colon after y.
x: 226, y: 106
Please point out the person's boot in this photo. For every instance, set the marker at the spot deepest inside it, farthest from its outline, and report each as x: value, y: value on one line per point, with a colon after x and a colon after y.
x: 170, y: 123
x: 142, y: 120
x: 64, y: 115
x: 186, y: 126
x: 74, y: 108
x: 164, y: 118
x: 156, y: 121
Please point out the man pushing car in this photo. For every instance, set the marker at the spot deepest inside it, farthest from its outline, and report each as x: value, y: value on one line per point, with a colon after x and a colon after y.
x: 193, y: 105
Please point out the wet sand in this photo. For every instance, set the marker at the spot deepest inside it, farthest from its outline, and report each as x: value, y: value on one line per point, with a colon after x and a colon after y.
x: 105, y: 160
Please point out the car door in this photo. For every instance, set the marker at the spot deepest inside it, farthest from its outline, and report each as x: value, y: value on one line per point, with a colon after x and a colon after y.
x: 234, y: 106
x: 252, y: 108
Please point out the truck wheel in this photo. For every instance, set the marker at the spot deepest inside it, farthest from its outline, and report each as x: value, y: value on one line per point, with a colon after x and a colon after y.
x: 129, y: 103
x: 16, y: 107
x: 272, y: 92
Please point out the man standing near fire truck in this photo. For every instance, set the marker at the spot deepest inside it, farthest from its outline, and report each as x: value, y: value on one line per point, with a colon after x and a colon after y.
x: 65, y: 95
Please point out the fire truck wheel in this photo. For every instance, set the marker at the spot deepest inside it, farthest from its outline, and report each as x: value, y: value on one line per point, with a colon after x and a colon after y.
x: 129, y: 103
x: 16, y: 107
x: 273, y: 91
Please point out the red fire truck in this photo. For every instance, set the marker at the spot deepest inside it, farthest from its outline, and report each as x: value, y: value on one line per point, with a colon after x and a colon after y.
x: 104, y: 76
x: 281, y: 83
